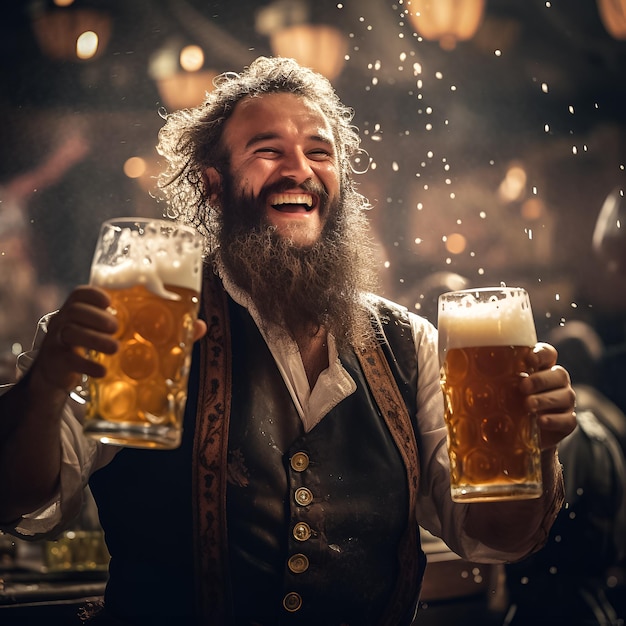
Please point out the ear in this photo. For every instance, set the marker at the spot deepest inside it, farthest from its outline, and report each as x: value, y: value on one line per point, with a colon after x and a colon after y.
x: 214, y: 185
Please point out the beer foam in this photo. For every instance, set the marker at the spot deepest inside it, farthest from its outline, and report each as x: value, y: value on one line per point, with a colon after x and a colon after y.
x: 468, y: 322
x: 149, y: 262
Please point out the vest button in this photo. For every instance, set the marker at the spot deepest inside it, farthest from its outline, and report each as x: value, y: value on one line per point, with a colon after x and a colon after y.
x: 303, y: 496
x: 301, y: 531
x: 298, y: 563
x: 292, y: 601
x: 299, y: 461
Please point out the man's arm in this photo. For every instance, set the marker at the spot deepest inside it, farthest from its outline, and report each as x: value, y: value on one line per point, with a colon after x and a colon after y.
x: 31, y: 411
x: 523, y: 526
x: 520, y: 526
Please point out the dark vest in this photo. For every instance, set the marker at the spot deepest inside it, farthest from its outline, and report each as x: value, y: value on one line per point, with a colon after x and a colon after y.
x: 314, y: 519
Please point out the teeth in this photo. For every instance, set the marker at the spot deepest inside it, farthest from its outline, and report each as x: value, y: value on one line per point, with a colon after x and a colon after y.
x: 290, y: 198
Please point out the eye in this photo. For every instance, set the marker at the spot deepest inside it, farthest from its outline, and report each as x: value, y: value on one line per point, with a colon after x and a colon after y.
x: 266, y: 150
x: 320, y: 154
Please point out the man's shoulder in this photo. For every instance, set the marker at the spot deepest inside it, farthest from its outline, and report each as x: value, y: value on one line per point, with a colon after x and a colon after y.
x: 386, y: 310
x: 380, y: 304
x: 395, y: 323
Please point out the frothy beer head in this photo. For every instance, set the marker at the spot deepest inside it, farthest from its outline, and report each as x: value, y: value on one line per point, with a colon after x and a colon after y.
x: 485, y: 317
x: 151, y: 253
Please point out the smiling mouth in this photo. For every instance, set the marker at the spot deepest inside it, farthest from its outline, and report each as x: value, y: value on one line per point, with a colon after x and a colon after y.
x: 293, y: 202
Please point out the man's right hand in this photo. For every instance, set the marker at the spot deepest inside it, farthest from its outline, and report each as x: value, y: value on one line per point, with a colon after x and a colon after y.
x: 83, y: 323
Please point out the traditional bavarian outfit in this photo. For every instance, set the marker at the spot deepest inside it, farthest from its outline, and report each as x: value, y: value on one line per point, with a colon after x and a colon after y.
x: 267, y: 515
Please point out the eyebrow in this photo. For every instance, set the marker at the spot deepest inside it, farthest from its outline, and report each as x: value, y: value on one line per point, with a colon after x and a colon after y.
x: 260, y: 137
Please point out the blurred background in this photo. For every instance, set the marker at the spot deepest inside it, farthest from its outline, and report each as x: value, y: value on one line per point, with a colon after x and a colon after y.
x: 495, y: 133
x: 494, y: 138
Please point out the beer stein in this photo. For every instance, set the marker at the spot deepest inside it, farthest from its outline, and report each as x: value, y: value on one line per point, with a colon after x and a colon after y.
x: 486, y: 339
x: 152, y: 270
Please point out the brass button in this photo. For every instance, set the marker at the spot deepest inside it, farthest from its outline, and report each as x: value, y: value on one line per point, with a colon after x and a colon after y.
x: 292, y: 601
x: 299, y: 461
x: 298, y: 563
x: 301, y: 531
x: 303, y: 496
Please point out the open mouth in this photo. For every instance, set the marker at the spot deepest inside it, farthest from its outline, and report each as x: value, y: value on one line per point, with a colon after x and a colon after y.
x: 293, y: 202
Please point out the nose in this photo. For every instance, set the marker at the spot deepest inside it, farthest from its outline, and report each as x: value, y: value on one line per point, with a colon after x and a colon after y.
x: 296, y: 166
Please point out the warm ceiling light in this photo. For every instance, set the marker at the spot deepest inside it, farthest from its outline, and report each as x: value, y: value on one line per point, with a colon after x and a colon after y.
x: 87, y: 45
x: 320, y: 47
x: 455, y: 243
x: 513, y: 185
x: 183, y: 90
x: 191, y: 58
x: 134, y: 167
x: 446, y: 21
x: 613, y: 15
x: 70, y: 34
x: 178, y: 74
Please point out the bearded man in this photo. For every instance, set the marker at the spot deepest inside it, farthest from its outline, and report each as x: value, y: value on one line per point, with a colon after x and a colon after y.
x: 314, y: 441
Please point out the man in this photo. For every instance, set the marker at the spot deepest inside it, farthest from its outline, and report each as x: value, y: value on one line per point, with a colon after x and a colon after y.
x: 314, y: 441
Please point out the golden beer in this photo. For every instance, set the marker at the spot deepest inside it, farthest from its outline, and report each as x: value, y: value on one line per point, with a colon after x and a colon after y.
x: 146, y: 381
x: 486, y: 344
x: 152, y: 273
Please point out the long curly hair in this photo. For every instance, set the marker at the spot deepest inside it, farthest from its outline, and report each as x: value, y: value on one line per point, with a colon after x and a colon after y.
x: 191, y: 139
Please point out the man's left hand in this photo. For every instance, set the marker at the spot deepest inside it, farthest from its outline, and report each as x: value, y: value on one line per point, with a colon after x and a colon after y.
x: 550, y: 396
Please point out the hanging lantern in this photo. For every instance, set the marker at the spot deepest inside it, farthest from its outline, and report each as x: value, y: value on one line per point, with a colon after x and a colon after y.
x: 179, y: 75
x: 613, y: 16
x: 69, y: 34
x: 446, y: 21
x: 320, y: 47
x: 185, y: 89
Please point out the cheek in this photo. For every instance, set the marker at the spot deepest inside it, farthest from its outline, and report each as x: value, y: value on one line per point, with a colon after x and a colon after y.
x: 241, y: 183
x: 253, y: 175
x: 330, y: 178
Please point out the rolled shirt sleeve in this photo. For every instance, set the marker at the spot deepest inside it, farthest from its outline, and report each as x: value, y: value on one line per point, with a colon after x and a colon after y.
x: 80, y: 456
x: 436, y: 511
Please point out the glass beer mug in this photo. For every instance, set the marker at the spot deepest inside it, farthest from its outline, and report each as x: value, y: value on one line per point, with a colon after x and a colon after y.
x: 486, y: 338
x: 152, y: 270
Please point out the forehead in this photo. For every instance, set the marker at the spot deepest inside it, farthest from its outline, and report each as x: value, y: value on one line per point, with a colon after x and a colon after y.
x: 281, y: 115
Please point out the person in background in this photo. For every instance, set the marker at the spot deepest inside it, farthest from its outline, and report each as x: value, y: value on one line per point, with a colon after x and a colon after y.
x: 578, y: 577
x: 582, y: 351
x: 608, y: 245
x: 314, y: 443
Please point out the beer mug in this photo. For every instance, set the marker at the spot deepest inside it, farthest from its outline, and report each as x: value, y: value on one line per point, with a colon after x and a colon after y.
x: 486, y: 338
x: 152, y: 270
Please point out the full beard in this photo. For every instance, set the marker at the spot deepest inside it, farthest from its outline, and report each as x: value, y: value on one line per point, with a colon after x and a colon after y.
x: 300, y: 289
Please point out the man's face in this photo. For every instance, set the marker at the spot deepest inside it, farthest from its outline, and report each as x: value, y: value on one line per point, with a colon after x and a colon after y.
x: 283, y: 157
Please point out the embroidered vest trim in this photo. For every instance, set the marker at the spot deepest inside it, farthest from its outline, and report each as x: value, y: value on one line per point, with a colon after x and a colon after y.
x: 210, y: 455
x: 387, y: 396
